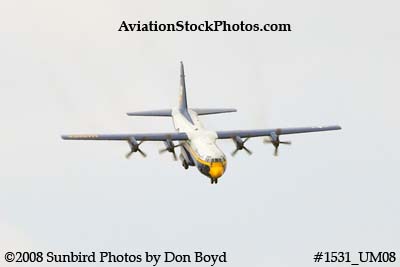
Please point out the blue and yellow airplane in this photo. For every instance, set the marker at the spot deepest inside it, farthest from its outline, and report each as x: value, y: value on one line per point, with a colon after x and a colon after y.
x: 197, y: 144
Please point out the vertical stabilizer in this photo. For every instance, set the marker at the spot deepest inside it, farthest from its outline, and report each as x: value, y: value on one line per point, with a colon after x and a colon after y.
x: 182, y: 97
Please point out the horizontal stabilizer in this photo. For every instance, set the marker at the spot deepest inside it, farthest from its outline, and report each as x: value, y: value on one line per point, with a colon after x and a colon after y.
x: 160, y: 113
x: 209, y: 111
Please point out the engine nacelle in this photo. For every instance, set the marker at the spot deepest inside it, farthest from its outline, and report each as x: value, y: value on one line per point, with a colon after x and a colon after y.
x: 169, y: 145
x: 133, y: 144
x: 238, y: 142
x: 274, y: 139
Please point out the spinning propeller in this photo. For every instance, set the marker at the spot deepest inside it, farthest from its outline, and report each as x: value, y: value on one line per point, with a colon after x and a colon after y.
x: 274, y: 140
x: 240, y: 145
x: 170, y: 147
x: 134, y: 145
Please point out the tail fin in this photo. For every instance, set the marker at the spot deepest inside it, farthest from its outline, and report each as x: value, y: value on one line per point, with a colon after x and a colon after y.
x: 182, y: 98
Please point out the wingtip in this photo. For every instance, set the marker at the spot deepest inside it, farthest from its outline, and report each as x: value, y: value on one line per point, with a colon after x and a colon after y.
x: 334, y: 127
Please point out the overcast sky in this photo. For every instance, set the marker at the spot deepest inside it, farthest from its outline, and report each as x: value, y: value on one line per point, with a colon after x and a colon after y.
x: 64, y: 68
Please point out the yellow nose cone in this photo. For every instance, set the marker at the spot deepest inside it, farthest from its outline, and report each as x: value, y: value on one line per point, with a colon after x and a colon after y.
x: 216, y: 170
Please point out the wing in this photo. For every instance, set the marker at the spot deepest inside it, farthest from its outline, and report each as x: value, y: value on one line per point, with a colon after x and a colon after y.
x: 279, y: 131
x: 127, y: 137
x: 134, y: 140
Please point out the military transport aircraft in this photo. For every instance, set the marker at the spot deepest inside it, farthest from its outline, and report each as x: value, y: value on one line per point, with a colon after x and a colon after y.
x: 198, y: 145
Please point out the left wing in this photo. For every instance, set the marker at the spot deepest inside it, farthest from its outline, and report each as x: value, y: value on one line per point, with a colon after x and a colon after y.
x: 273, y: 132
x: 175, y: 136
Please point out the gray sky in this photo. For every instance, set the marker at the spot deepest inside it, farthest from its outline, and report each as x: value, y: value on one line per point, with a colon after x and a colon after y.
x: 65, y: 69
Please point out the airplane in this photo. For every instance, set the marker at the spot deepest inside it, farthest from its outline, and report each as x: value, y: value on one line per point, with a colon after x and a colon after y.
x: 197, y: 144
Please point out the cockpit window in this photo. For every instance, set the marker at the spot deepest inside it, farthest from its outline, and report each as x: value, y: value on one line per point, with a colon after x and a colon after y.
x: 210, y: 159
x: 222, y: 159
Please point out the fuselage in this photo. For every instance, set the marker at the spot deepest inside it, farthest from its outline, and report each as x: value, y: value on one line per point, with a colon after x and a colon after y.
x: 200, y: 149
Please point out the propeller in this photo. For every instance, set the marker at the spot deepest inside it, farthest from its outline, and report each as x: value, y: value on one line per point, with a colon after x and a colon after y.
x: 274, y: 140
x: 134, y: 145
x: 170, y: 147
x: 240, y: 145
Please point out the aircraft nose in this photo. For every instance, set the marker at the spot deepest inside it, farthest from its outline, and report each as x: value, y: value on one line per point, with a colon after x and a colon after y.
x: 216, y: 171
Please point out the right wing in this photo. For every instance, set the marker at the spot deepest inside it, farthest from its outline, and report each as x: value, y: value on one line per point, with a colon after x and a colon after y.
x: 175, y: 136
x: 134, y: 140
